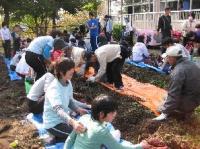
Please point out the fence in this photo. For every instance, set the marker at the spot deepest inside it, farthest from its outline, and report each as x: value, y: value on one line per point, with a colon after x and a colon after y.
x: 149, y: 20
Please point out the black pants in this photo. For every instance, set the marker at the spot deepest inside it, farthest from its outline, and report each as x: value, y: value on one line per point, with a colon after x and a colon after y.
x: 166, y: 34
x: 36, y: 61
x: 60, y: 132
x: 7, y: 48
x: 108, y: 36
x: 35, y: 107
x: 113, y: 72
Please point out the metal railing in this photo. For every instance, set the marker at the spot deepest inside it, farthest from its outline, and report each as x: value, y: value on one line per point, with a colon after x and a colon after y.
x: 149, y: 20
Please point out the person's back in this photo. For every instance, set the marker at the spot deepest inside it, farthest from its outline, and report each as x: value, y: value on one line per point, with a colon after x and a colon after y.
x: 38, y: 44
x: 109, y: 52
x: 93, y: 137
x: 139, y: 52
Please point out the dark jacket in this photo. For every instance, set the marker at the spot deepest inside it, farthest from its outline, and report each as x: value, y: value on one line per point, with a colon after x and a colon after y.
x: 184, y: 88
x: 164, y: 23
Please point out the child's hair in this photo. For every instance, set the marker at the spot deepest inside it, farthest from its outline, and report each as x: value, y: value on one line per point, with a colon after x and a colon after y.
x: 67, y: 51
x: 28, y: 40
x: 58, y: 44
x: 4, y: 24
x: 140, y: 38
x: 103, y: 103
x: 63, y: 66
x: 87, y: 57
x: 54, y: 33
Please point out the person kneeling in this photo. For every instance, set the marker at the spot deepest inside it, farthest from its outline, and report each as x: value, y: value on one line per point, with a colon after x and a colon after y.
x: 98, y: 134
x: 183, y: 93
x: 59, y: 101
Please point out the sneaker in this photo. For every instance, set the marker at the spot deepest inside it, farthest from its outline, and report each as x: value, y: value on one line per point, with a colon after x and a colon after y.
x: 161, y: 117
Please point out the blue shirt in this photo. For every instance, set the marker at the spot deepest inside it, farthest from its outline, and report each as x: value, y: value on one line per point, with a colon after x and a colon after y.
x: 40, y: 45
x: 92, y: 23
x: 57, y: 94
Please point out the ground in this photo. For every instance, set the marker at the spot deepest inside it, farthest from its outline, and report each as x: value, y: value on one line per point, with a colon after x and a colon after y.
x: 133, y: 120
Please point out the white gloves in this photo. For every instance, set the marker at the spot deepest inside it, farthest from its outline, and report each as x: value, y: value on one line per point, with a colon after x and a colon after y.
x: 91, y: 79
x: 161, y: 117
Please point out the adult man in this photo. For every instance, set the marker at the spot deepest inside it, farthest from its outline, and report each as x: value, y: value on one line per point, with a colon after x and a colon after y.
x: 93, y: 26
x: 6, y: 39
x: 188, y: 26
x: 183, y: 93
x: 108, y: 27
x: 164, y: 24
x: 16, y: 38
x: 111, y: 58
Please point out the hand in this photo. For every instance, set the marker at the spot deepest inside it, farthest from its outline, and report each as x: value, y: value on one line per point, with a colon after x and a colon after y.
x: 77, y: 126
x: 82, y: 111
x: 91, y: 79
x: 146, y: 145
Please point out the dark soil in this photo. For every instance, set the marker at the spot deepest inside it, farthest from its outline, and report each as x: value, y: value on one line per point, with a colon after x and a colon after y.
x: 133, y: 120
x: 146, y: 76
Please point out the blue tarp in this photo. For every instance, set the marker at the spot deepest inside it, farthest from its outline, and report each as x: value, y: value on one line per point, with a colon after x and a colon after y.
x: 147, y: 66
x: 12, y: 74
x: 37, y: 120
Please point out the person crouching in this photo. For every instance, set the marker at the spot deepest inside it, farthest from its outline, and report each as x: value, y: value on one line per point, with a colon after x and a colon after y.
x: 111, y: 58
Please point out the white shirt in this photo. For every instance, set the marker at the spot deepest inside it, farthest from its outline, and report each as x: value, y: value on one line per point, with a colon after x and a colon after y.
x: 38, y: 44
x: 129, y: 27
x: 188, y: 26
x: 40, y: 86
x: 22, y: 67
x: 5, y: 33
x: 15, y: 60
x: 139, y: 51
x: 106, y: 54
x: 77, y: 55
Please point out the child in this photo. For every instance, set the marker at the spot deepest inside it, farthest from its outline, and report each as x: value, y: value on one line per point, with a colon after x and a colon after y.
x: 140, y: 52
x: 57, y: 49
x: 15, y: 60
x: 98, y: 134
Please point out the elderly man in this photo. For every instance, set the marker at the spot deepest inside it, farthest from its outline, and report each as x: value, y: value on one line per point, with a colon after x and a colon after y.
x: 183, y: 94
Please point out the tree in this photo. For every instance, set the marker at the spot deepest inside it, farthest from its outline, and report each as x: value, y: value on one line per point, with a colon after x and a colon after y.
x: 92, y: 5
x: 8, y: 6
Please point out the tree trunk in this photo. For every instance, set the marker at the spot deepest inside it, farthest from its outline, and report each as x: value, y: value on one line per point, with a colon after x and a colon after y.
x: 6, y: 15
x: 54, y: 20
x: 36, y: 27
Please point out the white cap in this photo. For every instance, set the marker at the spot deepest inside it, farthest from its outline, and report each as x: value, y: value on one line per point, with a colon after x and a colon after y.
x: 174, y: 51
x: 164, y: 55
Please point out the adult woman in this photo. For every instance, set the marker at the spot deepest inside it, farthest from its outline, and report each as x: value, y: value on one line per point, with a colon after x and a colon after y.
x: 58, y: 102
x: 39, y: 51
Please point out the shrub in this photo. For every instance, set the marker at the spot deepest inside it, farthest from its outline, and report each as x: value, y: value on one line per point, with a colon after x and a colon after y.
x: 117, y: 28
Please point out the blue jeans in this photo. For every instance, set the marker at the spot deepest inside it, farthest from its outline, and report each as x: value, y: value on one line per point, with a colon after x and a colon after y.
x: 93, y: 42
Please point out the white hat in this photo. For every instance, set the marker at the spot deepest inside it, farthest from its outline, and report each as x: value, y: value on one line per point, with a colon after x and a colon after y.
x: 174, y: 51
x: 164, y: 55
